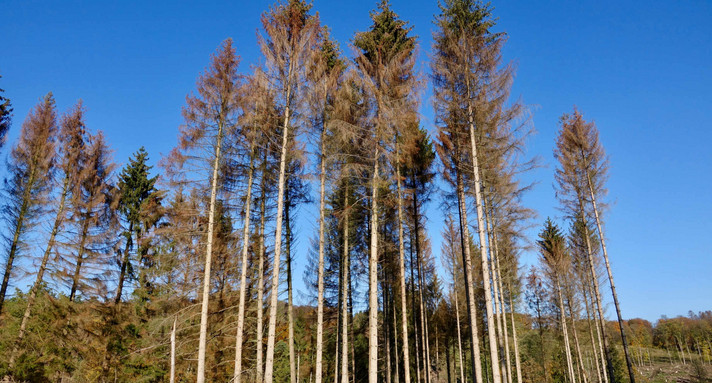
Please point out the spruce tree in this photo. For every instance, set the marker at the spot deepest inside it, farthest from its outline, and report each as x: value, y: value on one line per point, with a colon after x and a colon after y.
x: 138, y: 206
x: 28, y: 182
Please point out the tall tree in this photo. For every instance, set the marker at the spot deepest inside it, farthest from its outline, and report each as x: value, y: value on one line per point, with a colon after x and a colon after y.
x: 325, y: 75
x: 28, y: 182
x: 385, y: 61
x: 138, y: 203
x: 210, y: 117
x: 71, y: 150
x: 581, y: 178
x: 94, y: 217
x: 289, y: 46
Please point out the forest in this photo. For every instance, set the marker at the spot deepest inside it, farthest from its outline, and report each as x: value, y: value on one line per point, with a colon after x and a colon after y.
x: 183, y: 271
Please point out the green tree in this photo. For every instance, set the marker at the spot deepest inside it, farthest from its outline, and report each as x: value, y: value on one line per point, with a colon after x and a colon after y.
x: 139, y: 207
x: 5, y: 117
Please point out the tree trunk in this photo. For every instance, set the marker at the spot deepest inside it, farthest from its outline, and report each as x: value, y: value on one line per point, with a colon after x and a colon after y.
x: 320, y: 298
x: 202, y: 345
x: 243, y: 269
x: 290, y: 304
x: 259, y: 337
x: 421, y: 282
x: 576, y: 342
x: 499, y: 302
x: 373, y: 280
x: 80, y: 259
x: 567, y: 348
x: 173, y: 351
x: 345, y: 293
x: 596, y: 358
x: 470, y: 288
x: 271, y: 332
x: 459, y: 337
x: 608, y: 371
x: 16, y: 235
x: 517, y: 361
x: 124, y: 263
x: 631, y: 374
x: 401, y: 265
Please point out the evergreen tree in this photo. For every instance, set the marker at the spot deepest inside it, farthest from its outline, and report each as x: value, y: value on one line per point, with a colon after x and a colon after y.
x: 5, y: 117
x: 139, y: 204
x: 28, y: 182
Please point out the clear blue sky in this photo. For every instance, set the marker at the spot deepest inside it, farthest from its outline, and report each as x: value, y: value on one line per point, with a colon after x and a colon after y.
x: 641, y: 69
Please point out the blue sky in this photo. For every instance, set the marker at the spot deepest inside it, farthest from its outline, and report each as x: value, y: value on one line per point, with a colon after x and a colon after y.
x: 640, y: 69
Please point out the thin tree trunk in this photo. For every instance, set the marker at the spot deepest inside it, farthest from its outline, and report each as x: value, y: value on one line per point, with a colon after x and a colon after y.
x: 479, y: 203
x: 567, y: 348
x: 320, y: 299
x: 421, y: 281
x: 459, y: 337
x: 243, y: 271
x: 401, y: 265
x: 517, y: 361
x: 373, y: 280
x: 173, y: 351
x: 631, y: 374
x: 16, y: 235
x: 40, y: 273
x: 578, y: 347
x: 80, y: 259
x: 608, y: 371
x: 386, y: 328
x: 498, y: 301
x: 502, y: 314
x: 290, y: 304
x: 470, y: 289
x: 345, y: 293
x: 124, y: 261
x: 590, y: 329
x: 414, y: 314
x: 202, y: 345
x: 261, y: 274
x: 272, y: 330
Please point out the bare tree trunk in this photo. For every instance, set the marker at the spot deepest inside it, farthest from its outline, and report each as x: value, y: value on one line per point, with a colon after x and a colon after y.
x: 517, y: 361
x: 631, y: 374
x: 576, y: 342
x: 401, y: 264
x: 243, y: 271
x: 290, y: 304
x: 173, y: 351
x: 608, y: 371
x: 320, y: 298
x: 498, y: 301
x: 470, y: 289
x: 259, y: 337
x: 386, y: 332
x: 202, y: 345
x: 459, y: 337
x: 345, y: 293
x: 271, y: 333
x: 596, y: 358
x: 373, y: 280
x: 569, y: 361
x: 418, y: 355
x: 502, y: 314
x: 80, y: 259
x: 479, y: 202
x: 40, y: 273
x: 124, y: 262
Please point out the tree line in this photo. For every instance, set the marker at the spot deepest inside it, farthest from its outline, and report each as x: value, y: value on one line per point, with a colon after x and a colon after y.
x: 180, y: 273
